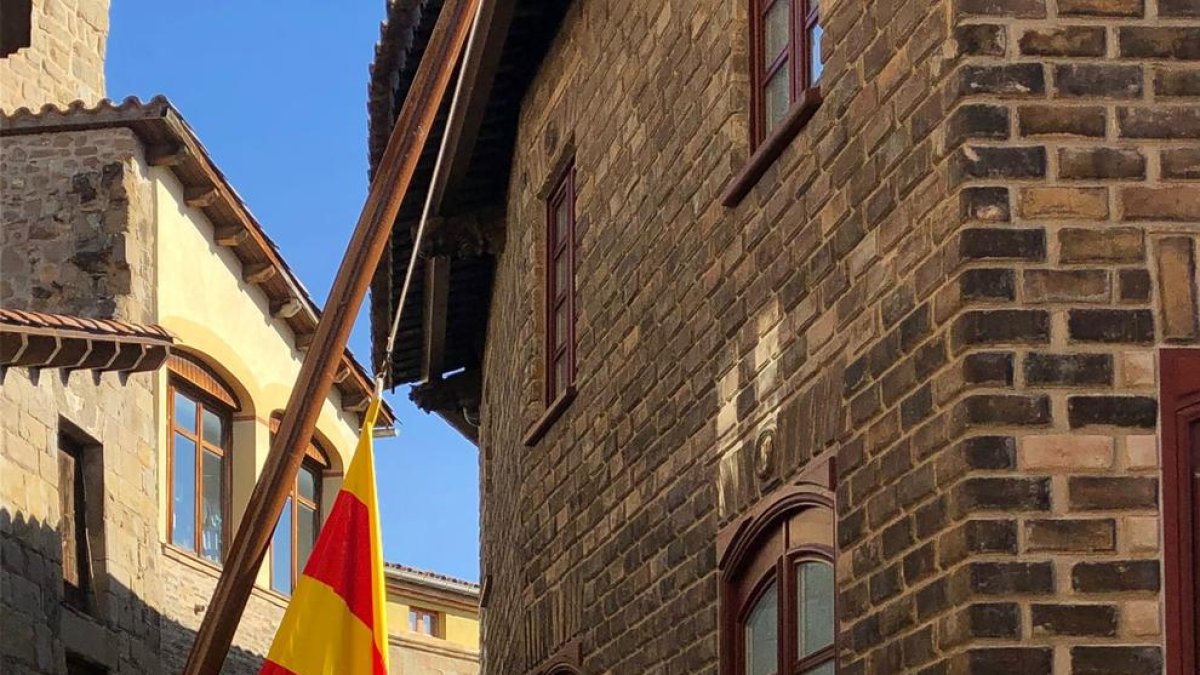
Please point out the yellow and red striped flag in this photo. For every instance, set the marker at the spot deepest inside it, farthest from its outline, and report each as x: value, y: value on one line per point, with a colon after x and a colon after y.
x: 337, y: 619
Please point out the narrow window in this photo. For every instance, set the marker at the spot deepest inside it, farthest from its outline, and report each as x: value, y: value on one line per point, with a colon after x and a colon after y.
x: 73, y: 500
x: 777, y: 592
x: 423, y: 622
x: 299, y: 522
x: 1180, y: 414
x: 200, y: 442
x: 77, y: 665
x: 786, y: 59
x: 15, y: 21
x: 560, y: 288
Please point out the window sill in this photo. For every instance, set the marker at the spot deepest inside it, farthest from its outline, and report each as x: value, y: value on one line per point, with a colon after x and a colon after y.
x: 548, y: 418
x: 190, y: 559
x: 771, y: 148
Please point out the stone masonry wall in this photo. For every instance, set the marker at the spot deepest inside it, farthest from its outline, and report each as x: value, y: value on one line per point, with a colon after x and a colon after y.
x: 65, y: 60
x: 77, y: 211
x: 951, y: 282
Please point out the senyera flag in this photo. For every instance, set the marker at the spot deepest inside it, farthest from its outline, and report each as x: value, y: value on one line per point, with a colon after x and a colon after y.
x: 337, y: 620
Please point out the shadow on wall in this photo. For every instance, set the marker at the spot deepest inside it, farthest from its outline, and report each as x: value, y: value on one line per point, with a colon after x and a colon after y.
x: 121, y: 633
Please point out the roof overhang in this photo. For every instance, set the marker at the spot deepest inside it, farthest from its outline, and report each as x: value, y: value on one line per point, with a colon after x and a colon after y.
x: 37, y: 340
x: 169, y: 142
x: 443, y: 323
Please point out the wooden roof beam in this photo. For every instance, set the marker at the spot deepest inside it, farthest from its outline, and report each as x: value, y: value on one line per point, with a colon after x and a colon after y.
x: 433, y: 317
x: 286, y: 309
x: 201, y: 197
x: 259, y: 273
x: 168, y: 154
x: 230, y: 236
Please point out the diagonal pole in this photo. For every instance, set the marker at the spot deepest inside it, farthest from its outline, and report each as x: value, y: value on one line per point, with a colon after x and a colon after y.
x: 363, y: 254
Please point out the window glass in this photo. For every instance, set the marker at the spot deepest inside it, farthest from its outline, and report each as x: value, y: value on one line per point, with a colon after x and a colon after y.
x: 776, y: 31
x: 814, y: 602
x: 212, y: 537
x: 281, y: 551
x: 306, y: 484
x: 185, y: 413
x: 183, y: 492
x: 562, y: 273
x: 762, y: 634
x: 778, y: 98
x: 560, y: 375
x: 214, y: 429
x: 306, y: 533
x: 562, y: 219
x: 814, y: 59
x: 560, y: 325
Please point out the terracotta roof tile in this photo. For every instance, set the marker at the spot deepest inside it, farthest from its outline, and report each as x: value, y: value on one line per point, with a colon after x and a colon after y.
x: 433, y: 576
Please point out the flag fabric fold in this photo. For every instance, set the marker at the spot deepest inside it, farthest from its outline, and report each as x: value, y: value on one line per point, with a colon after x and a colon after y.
x: 337, y: 619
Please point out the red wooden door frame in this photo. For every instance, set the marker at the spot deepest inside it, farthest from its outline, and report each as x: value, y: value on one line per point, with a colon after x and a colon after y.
x: 1179, y: 408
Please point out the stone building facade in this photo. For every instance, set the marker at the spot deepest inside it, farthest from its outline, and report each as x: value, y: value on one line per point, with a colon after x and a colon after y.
x: 121, y: 240
x: 944, y: 304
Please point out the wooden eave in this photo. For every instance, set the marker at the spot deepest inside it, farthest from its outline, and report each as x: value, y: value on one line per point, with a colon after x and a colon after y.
x: 443, y: 324
x: 37, y: 340
x: 168, y: 141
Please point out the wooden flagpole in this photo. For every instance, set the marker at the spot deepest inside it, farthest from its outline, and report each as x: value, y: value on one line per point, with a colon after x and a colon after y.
x: 363, y: 254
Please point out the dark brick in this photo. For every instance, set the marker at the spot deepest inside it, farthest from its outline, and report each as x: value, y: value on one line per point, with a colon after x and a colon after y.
x: 994, y: 620
x: 990, y: 453
x: 919, y: 564
x: 1100, y: 163
x: 916, y: 408
x: 1070, y: 285
x: 1005, y: 494
x: 991, y: 536
x: 1074, y: 620
x: 1134, y: 285
x: 976, y: 120
x: 1022, y: 8
x: 1002, y: 409
x: 989, y: 368
x: 1010, y: 660
x: 978, y: 162
x: 1112, y: 493
x: 929, y: 358
x: 1086, y: 536
x: 987, y: 204
x: 1109, y: 245
x: 1113, y: 326
x: 1023, y: 79
x: 1095, y: 79
x: 1097, y: 660
x: 1160, y: 42
x: 1131, y: 8
x: 1181, y: 163
x: 1002, y: 326
x: 1176, y: 82
x: 1064, y: 41
x: 1160, y: 122
x: 988, y: 578
x: 1007, y: 244
x: 1115, y: 577
x: 980, y: 39
x: 988, y: 284
x: 1049, y: 120
x: 1068, y: 369
x: 1175, y: 8
x: 932, y: 599
x: 914, y: 328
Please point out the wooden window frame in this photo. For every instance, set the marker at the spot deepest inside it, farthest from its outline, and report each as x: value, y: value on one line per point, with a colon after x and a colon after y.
x: 204, y: 400
x: 754, y: 552
x: 804, y: 99
x: 563, y: 192
x: 422, y: 614
x: 72, y: 456
x: 1179, y: 403
x: 315, y: 461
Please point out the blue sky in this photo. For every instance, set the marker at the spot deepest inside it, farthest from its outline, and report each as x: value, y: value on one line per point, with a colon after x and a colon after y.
x: 277, y: 93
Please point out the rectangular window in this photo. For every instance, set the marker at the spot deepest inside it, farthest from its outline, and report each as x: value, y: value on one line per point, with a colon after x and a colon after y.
x: 560, y: 288
x: 786, y: 59
x: 77, y: 665
x: 423, y: 622
x: 200, y: 440
x: 1179, y: 371
x: 73, y: 499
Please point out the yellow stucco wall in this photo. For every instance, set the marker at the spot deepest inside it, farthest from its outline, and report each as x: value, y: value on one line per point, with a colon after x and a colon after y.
x: 227, y: 323
x: 461, y: 626
x: 455, y: 651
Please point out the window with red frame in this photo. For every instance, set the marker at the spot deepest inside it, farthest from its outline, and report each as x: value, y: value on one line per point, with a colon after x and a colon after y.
x: 777, y: 595
x: 786, y: 58
x: 1180, y: 414
x: 560, y: 288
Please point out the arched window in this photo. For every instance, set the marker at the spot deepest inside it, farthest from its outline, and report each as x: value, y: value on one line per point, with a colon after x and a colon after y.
x: 300, y: 521
x: 777, y: 590
x: 200, y: 409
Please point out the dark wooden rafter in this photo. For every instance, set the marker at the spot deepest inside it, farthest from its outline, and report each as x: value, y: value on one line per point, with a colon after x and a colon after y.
x: 166, y: 154
x: 437, y: 293
x: 201, y: 197
x: 230, y: 235
x: 286, y: 309
x: 71, y: 351
x: 258, y: 273
x: 365, y: 250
